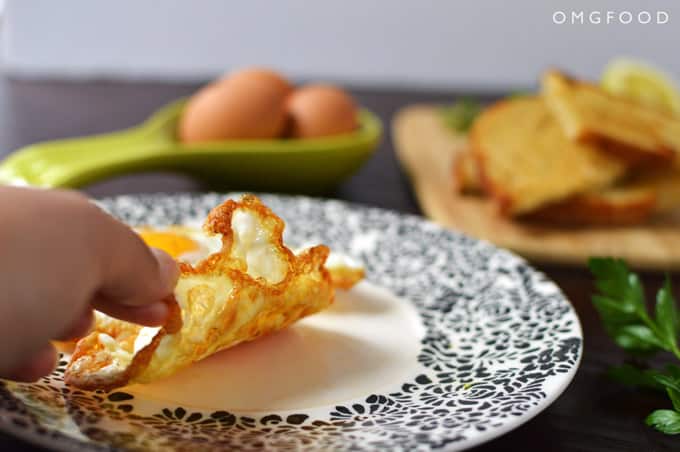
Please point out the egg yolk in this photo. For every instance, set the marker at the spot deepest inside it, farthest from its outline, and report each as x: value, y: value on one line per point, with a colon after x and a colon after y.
x: 173, y: 244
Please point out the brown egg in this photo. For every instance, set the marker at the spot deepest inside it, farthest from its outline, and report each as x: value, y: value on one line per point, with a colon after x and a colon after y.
x: 248, y: 104
x: 321, y: 110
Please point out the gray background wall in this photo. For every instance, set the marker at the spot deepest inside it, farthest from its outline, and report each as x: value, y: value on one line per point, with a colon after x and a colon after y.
x: 458, y: 44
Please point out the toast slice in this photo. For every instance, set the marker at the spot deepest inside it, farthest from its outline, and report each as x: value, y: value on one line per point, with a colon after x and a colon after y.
x: 526, y: 160
x: 666, y: 186
x: 589, y: 114
x: 617, y: 206
x: 633, y: 202
x: 630, y: 203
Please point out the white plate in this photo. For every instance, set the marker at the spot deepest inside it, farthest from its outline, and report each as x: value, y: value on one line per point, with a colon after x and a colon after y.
x: 448, y: 343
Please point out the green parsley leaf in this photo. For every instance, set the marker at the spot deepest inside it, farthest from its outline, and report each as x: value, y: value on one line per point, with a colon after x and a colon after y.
x: 461, y: 115
x: 675, y: 398
x: 621, y: 305
x: 666, y: 421
x: 617, y: 283
x: 672, y: 385
x: 611, y: 276
x: 614, y: 314
x: 637, y: 337
x: 668, y: 381
x: 666, y: 316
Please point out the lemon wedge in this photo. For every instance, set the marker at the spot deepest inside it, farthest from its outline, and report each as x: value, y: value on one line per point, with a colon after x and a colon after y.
x: 643, y: 83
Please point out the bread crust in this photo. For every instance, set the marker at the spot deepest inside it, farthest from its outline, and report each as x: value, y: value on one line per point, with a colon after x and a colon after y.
x: 607, y: 208
x: 637, y: 133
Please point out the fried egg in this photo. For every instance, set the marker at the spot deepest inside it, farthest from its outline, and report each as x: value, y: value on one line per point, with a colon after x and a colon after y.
x: 184, y: 243
x: 187, y: 243
x: 244, y: 283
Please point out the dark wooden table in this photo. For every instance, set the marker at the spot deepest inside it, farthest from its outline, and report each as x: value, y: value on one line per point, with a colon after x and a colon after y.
x: 594, y: 414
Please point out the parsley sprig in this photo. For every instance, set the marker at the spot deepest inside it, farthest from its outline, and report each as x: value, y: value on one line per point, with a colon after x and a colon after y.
x: 461, y: 115
x: 621, y: 303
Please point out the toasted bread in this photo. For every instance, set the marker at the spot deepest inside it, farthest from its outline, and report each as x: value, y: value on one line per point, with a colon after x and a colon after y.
x: 630, y: 203
x: 589, y: 114
x: 610, y: 207
x: 664, y: 183
x: 526, y: 160
x: 634, y: 201
x: 465, y: 170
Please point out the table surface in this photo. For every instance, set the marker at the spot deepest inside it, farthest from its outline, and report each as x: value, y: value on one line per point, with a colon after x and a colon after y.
x: 594, y: 413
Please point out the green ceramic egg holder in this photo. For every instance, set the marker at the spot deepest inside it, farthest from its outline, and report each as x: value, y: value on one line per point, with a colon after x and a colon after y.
x: 292, y: 165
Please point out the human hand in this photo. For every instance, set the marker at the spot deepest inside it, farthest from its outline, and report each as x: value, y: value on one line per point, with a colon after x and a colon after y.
x: 60, y: 257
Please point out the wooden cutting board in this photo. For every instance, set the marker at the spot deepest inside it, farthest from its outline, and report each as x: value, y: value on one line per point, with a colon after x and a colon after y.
x: 426, y: 147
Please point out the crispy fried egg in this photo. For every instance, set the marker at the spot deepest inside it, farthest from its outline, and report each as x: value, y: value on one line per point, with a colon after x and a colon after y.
x: 238, y: 281
x: 184, y: 243
x: 191, y: 244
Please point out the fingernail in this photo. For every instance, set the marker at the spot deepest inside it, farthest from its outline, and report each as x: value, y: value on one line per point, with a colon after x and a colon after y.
x: 168, y: 268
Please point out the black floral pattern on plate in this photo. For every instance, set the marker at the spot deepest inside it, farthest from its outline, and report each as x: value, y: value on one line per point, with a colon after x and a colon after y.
x: 501, y: 342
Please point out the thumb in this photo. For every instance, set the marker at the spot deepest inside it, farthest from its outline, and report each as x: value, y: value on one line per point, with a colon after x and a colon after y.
x: 135, y: 284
